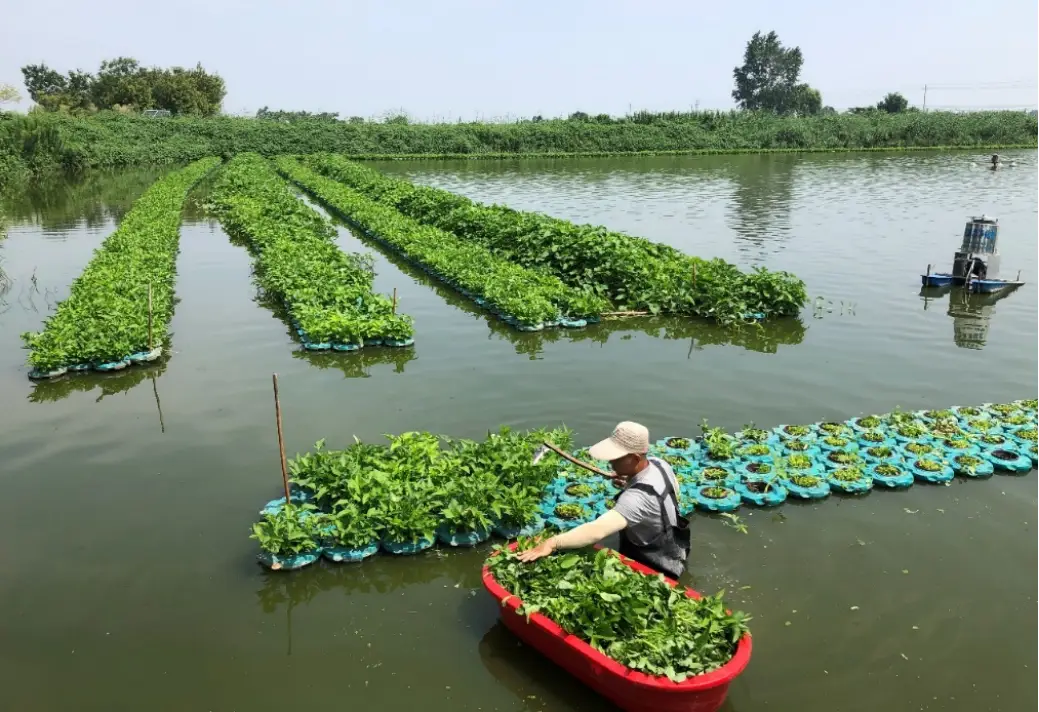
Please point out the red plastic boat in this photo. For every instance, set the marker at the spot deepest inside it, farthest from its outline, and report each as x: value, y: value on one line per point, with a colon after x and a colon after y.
x: 628, y: 689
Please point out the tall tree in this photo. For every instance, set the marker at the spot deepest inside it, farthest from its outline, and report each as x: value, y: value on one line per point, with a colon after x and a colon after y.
x: 122, y: 83
x: 767, y: 80
x: 893, y: 103
x: 41, y: 80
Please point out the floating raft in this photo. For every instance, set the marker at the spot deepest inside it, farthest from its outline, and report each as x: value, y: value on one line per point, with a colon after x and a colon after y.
x: 764, y: 468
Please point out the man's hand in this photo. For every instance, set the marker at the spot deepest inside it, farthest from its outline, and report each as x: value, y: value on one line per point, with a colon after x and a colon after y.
x: 538, y: 552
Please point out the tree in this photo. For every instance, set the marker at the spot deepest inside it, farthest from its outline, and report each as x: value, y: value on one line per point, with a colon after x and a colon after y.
x: 8, y: 94
x: 42, y: 81
x: 805, y: 101
x: 767, y: 80
x: 893, y: 103
x: 122, y: 83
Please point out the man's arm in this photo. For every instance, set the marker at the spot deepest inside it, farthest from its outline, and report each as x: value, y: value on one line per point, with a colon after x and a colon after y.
x: 588, y: 533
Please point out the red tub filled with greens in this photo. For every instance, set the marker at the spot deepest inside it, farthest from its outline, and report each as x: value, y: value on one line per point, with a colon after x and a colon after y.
x: 632, y: 635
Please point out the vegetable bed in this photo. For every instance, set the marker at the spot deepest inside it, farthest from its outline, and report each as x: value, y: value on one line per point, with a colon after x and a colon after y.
x: 631, y: 272
x: 631, y: 634
x: 327, y: 292
x: 104, y: 321
x: 523, y: 297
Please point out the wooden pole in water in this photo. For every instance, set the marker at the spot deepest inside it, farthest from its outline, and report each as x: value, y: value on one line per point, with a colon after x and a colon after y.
x: 394, y: 300
x: 150, y: 345
x: 281, y: 441
x: 927, y: 281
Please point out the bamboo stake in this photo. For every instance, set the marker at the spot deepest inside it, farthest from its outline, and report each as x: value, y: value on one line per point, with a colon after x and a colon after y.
x: 927, y: 283
x: 394, y: 300
x: 580, y: 463
x: 281, y: 441
x: 151, y: 346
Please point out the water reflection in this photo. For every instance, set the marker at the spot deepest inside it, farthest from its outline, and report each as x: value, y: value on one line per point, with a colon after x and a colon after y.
x: 971, y: 313
x: 765, y: 337
x: 108, y: 384
x: 380, y: 574
x: 530, y: 677
x: 762, y: 201
x: 94, y: 197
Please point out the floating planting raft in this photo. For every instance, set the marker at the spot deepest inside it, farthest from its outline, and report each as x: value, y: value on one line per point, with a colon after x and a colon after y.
x: 119, y: 308
x: 632, y: 273
x: 526, y: 299
x: 327, y: 292
x: 419, y: 488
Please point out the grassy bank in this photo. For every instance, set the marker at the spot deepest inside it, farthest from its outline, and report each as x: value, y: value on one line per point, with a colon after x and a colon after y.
x: 40, y: 142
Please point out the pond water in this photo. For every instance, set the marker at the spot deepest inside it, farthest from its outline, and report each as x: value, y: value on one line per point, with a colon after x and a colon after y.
x: 127, y: 574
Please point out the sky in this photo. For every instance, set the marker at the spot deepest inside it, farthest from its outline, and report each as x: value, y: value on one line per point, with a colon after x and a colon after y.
x: 499, y: 60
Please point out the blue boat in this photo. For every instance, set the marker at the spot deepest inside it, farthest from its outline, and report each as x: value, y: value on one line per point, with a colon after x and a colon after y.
x: 991, y: 286
x: 975, y: 266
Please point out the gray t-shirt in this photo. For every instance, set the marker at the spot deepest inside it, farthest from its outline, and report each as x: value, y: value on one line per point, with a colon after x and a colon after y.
x: 640, y: 509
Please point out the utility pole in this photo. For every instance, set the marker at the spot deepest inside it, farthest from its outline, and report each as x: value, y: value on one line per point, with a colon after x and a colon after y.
x: 925, y: 97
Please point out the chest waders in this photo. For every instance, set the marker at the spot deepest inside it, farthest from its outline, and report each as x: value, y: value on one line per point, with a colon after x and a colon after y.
x: 668, y: 550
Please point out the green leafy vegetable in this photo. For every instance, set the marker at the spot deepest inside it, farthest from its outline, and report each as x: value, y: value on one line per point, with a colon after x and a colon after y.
x: 291, y: 530
x: 630, y: 272
x: 327, y: 291
x: 639, y: 621
x: 105, y: 317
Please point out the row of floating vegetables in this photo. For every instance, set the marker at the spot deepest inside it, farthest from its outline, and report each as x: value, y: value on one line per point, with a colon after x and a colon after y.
x: 527, y: 299
x: 401, y: 497
x: 630, y: 272
x: 119, y: 308
x: 327, y: 292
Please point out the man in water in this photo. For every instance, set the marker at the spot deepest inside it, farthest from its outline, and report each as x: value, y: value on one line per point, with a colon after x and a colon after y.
x: 652, y: 531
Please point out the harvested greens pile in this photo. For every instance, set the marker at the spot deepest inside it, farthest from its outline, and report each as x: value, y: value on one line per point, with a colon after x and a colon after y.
x: 640, y: 621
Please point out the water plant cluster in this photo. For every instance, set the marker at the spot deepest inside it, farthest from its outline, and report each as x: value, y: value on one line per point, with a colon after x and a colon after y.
x: 327, y: 292
x: 632, y: 273
x: 528, y: 298
x: 405, y: 493
x: 640, y: 621
x: 105, y: 319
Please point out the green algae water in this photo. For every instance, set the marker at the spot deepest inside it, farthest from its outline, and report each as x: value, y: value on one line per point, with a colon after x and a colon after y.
x: 128, y: 581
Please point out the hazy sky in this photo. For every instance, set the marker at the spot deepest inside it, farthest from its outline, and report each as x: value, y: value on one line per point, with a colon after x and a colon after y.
x: 473, y: 58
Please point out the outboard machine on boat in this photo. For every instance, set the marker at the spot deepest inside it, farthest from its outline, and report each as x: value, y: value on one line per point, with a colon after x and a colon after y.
x: 975, y: 265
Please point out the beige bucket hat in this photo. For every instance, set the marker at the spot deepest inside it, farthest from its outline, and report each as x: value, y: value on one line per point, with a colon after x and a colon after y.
x: 627, y: 439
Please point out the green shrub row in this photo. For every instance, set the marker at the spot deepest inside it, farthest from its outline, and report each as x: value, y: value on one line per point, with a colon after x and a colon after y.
x: 110, y: 138
x: 327, y: 292
x: 531, y: 297
x: 105, y: 318
x: 631, y: 272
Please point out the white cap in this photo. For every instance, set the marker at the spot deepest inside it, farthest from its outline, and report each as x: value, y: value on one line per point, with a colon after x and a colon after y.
x: 627, y: 439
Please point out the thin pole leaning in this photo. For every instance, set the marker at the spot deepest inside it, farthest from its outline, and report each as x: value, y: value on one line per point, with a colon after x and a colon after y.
x: 281, y: 441
x: 151, y: 345
x: 394, y: 300
x: 580, y: 463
